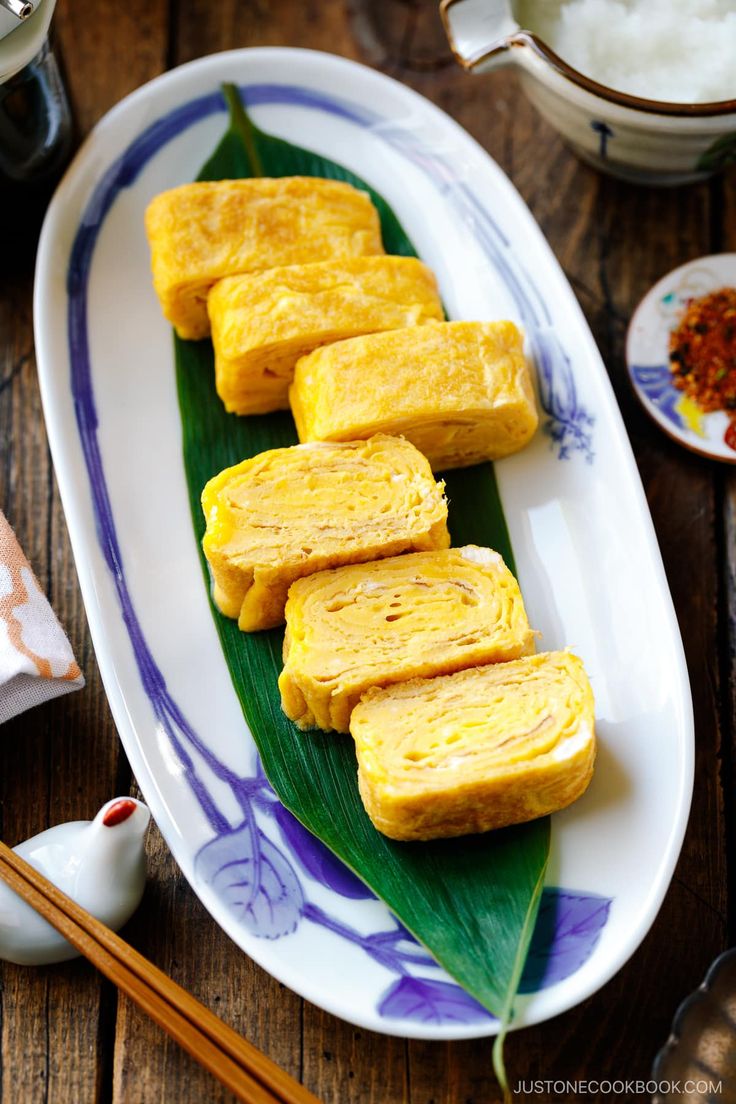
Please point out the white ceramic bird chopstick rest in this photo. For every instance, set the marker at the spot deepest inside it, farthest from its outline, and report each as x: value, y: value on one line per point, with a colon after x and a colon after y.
x: 100, y: 863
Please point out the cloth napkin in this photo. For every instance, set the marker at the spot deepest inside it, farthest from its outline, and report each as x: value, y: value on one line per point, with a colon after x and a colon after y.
x: 36, y: 659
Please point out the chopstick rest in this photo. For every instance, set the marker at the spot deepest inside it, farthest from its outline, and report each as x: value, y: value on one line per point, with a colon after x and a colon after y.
x: 250, y: 1075
x: 100, y: 863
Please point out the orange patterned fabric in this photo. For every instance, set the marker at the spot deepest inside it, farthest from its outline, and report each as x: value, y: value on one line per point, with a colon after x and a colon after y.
x: 36, y: 660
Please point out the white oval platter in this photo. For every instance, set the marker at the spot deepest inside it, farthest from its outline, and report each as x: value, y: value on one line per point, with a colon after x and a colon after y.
x: 586, y: 552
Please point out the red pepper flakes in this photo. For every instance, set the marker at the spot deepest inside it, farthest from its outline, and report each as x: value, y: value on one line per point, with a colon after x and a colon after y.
x: 703, y: 351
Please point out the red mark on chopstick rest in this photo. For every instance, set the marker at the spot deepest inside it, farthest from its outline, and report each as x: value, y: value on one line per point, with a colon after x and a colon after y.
x: 118, y: 812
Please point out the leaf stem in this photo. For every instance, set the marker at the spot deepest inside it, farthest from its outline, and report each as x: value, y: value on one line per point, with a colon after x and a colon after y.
x: 522, y: 948
x: 240, y: 122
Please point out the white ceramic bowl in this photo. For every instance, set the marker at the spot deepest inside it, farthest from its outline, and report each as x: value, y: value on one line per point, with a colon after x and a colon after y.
x: 645, y: 141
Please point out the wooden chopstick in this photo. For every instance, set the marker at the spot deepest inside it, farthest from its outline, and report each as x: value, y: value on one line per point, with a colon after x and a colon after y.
x: 240, y: 1066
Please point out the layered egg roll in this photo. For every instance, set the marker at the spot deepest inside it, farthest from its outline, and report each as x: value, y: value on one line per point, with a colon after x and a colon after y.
x: 460, y: 391
x: 480, y: 749
x: 199, y: 233
x: 262, y: 323
x: 411, y: 616
x: 291, y: 511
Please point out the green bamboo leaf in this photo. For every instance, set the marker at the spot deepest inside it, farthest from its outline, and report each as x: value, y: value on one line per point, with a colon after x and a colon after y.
x: 472, y: 901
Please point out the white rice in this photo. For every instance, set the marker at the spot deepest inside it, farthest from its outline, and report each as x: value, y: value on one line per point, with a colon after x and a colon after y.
x: 683, y: 51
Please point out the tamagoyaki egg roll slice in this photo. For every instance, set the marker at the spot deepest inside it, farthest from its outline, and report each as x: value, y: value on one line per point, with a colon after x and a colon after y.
x: 200, y: 232
x: 481, y: 749
x: 460, y: 391
x: 263, y: 323
x: 372, y: 624
x: 291, y: 511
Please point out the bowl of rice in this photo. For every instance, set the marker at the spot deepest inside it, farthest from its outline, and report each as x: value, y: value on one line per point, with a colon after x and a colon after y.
x: 642, y: 89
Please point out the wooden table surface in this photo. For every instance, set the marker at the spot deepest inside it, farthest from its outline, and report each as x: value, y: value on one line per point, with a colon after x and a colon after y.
x: 67, y: 1037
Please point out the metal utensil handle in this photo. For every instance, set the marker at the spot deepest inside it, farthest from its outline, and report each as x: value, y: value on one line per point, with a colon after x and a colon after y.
x: 19, y: 8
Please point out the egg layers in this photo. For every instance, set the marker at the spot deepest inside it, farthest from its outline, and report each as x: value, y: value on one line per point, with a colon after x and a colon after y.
x: 477, y: 750
x: 200, y: 232
x: 263, y: 323
x: 460, y: 391
x: 292, y: 511
x: 412, y: 616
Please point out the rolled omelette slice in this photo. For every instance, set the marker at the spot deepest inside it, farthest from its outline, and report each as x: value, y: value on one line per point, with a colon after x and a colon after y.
x: 263, y: 323
x: 292, y: 511
x: 407, y: 617
x: 200, y: 232
x: 476, y: 750
x: 460, y: 391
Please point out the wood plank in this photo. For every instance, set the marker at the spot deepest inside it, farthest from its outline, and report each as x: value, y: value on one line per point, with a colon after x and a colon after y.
x: 348, y: 1065
x: 338, y: 1063
x: 205, y: 28
x: 612, y: 237
x: 173, y: 929
x: 724, y: 239
x: 57, y: 762
x: 728, y: 667
x: 60, y: 761
x: 109, y: 51
x: 613, y: 241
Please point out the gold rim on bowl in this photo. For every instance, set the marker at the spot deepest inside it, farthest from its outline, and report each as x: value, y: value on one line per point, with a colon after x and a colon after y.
x: 522, y: 39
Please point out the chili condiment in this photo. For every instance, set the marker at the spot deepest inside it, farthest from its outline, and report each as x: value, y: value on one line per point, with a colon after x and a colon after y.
x: 703, y: 351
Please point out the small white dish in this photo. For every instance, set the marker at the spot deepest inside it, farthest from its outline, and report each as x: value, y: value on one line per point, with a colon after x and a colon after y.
x: 100, y: 863
x: 586, y: 553
x: 647, y: 357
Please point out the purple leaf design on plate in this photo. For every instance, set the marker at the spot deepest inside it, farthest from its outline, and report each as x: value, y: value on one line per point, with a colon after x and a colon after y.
x: 569, y: 423
x: 317, y: 859
x: 568, y: 927
x: 430, y: 1002
x: 254, y: 879
x: 567, y: 930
